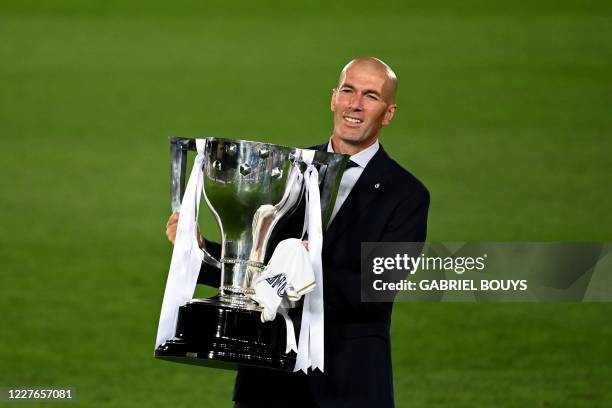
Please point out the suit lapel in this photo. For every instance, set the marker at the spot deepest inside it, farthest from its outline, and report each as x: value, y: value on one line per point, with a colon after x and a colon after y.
x: 369, y: 186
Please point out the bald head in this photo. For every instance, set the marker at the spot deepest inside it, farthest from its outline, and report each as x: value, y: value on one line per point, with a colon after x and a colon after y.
x: 376, y: 66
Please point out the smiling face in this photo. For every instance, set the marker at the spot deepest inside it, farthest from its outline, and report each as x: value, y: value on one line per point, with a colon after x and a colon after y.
x: 362, y: 104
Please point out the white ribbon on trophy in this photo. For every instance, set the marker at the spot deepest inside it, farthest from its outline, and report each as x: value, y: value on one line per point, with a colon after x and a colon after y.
x: 187, y: 256
x: 310, y: 347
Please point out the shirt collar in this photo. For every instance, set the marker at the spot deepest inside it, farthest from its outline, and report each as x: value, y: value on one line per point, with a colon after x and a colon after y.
x: 363, y: 157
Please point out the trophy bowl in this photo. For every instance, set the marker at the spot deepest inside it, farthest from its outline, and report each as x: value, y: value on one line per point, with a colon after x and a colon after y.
x: 256, y: 194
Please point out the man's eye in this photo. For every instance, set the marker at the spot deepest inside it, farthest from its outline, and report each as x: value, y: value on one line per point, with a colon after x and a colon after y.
x: 345, y: 90
x: 372, y: 96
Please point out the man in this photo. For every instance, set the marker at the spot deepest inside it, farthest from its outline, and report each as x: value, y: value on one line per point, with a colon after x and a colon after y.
x: 378, y: 201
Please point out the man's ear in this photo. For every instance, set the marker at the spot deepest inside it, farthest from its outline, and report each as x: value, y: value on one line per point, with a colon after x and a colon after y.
x: 389, y: 114
x: 333, y: 99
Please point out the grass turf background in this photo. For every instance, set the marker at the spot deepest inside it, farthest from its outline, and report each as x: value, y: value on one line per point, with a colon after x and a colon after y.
x: 504, y: 114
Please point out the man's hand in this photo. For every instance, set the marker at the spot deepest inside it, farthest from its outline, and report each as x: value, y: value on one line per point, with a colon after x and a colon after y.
x: 171, y: 230
x: 171, y: 227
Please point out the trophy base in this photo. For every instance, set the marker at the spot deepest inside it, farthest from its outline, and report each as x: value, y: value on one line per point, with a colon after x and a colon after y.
x: 210, y: 332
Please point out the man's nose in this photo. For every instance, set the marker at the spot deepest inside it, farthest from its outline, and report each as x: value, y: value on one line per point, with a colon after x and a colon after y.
x: 355, y: 102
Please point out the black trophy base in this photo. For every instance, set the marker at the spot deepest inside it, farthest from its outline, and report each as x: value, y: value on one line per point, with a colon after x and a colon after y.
x: 212, y: 333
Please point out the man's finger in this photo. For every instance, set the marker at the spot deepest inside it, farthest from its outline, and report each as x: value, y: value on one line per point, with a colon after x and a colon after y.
x: 171, y: 233
x: 171, y: 227
x: 173, y: 219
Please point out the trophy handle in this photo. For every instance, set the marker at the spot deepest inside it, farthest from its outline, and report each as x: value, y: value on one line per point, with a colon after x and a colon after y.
x: 209, y: 259
x: 178, y: 173
x: 178, y: 169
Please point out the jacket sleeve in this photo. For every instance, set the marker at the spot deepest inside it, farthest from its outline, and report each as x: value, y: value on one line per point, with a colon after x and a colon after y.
x: 210, y: 275
x: 409, y: 220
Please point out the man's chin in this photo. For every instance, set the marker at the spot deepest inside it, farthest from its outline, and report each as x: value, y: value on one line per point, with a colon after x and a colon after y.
x: 351, y: 137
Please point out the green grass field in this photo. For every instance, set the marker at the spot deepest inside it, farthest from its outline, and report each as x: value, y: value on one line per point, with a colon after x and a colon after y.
x: 505, y: 114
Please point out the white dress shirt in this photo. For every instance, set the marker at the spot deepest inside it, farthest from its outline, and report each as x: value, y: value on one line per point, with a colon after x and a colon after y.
x: 350, y: 176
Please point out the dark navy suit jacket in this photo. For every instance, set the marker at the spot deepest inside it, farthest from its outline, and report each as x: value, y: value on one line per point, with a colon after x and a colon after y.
x: 387, y: 204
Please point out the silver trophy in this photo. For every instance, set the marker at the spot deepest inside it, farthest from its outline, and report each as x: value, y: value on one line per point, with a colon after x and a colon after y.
x: 255, y: 192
